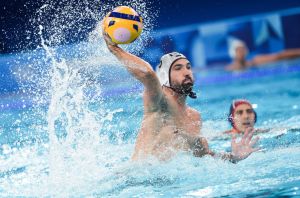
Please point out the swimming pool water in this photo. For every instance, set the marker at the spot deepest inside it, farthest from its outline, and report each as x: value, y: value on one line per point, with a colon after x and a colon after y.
x: 69, y: 117
x: 79, y: 141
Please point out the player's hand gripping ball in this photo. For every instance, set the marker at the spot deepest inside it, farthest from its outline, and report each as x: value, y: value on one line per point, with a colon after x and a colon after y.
x: 123, y: 25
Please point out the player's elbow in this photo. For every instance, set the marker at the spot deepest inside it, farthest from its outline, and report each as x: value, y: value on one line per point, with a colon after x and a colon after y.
x: 147, y: 73
x: 147, y: 77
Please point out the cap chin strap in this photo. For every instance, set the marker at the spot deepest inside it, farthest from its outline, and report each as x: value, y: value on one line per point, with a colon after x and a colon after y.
x: 191, y: 94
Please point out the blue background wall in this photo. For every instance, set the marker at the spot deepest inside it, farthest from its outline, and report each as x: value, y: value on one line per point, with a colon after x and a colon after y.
x: 207, y: 44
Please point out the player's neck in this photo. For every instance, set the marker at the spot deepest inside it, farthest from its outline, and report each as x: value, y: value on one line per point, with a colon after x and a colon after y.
x: 235, y: 131
x: 178, y: 98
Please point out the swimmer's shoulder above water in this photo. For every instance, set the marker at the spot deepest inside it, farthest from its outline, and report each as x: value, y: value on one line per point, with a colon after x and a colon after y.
x: 238, y: 51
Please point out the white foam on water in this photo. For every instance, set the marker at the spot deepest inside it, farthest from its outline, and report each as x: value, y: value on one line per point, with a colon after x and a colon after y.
x: 63, y: 80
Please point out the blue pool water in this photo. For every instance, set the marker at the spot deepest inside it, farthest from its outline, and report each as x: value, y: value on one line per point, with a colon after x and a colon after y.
x: 79, y: 140
x: 69, y: 128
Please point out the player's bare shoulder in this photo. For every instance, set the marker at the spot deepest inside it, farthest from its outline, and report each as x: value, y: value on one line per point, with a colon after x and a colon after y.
x: 194, y: 113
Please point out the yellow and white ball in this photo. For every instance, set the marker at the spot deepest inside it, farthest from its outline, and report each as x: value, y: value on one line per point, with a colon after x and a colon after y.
x: 123, y: 25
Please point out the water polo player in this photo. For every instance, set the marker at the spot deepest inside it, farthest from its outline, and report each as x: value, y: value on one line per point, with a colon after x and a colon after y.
x: 169, y: 125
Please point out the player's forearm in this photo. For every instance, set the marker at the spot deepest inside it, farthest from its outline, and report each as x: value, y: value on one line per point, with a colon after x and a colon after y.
x: 135, y: 65
x: 230, y: 157
x: 226, y: 156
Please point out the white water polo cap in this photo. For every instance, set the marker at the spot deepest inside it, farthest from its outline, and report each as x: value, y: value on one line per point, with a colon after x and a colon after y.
x: 233, y: 45
x: 163, y: 69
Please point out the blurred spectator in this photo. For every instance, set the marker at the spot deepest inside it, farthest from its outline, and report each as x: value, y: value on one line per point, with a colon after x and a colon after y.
x: 238, y: 51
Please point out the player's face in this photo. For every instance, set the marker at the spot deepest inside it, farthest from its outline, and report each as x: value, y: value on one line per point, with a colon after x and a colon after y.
x: 181, y: 75
x: 243, y: 117
x: 241, y: 53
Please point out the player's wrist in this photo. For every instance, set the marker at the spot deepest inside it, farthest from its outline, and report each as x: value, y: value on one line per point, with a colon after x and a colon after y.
x: 233, y: 158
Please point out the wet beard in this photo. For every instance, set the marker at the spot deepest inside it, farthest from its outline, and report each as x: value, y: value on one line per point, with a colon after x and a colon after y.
x: 184, y: 89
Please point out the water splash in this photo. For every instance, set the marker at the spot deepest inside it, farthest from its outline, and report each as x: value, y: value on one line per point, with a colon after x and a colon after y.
x: 63, y: 84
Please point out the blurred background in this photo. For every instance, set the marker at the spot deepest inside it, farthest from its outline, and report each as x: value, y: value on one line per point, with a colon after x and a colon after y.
x: 231, y: 17
x: 202, y: 30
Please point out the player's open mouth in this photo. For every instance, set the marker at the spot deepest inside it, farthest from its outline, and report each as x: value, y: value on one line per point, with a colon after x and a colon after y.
x: 246, y: 124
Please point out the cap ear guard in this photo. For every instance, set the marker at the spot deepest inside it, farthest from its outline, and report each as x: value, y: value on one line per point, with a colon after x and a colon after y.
x: 161, y: 74
x: 229, y: 117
